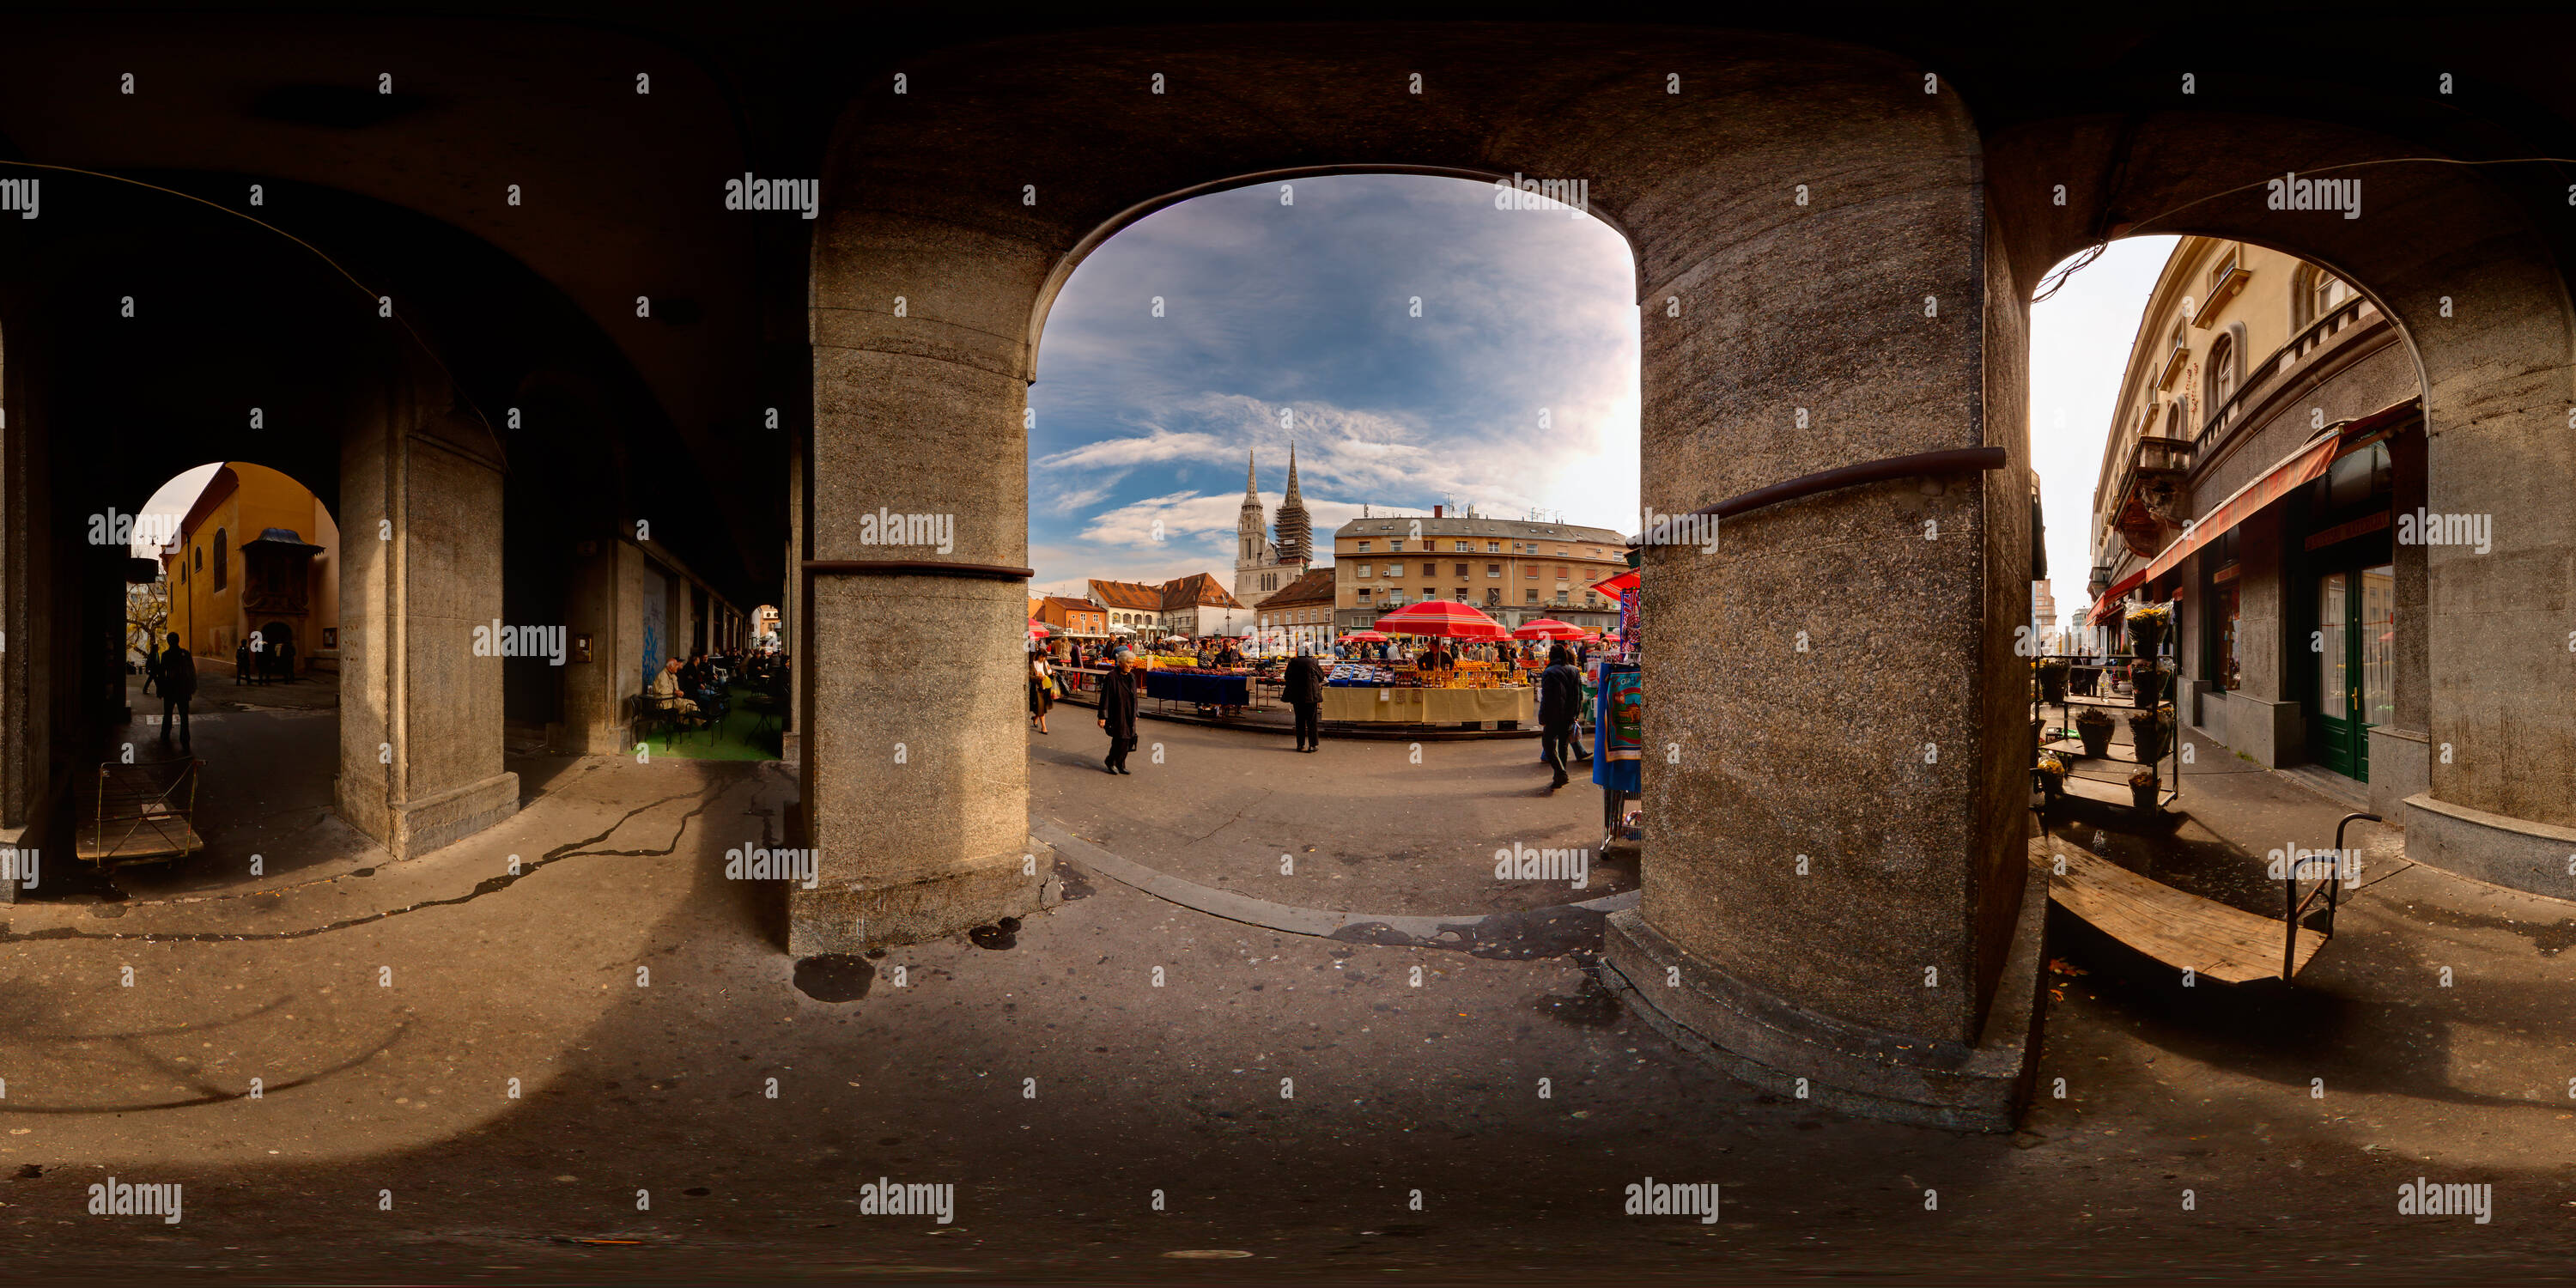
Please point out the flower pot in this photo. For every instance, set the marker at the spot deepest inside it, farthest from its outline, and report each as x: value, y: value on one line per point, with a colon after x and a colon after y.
x: 2144, y: 798
x: 2146, y: 688
x: 2148, y: 636
x: 2052, y: 687
x: 2097, y: 738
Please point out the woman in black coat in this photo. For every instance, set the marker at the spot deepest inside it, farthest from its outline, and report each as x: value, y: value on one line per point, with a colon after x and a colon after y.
x: 1118, y: 711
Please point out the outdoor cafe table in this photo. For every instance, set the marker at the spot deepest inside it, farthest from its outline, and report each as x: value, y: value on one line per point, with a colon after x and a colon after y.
x: 1429, y: 706
x: 1199, y: 690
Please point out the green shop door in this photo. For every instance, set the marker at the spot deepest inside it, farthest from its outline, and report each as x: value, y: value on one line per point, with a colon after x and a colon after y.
x: 2356, y: 665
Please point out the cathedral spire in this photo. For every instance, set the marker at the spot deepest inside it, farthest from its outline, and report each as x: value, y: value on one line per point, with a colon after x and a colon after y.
x: 1251, y: 493
x: 1296, y: 531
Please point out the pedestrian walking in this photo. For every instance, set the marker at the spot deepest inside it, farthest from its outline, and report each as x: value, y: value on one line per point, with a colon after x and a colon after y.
x: 178, y: 685
x: 1118, y: 710
x: 241, y: 664
x: 1042, y: 688
x: 1560, y: 697
x: 1304, y: 690
x: 151, y: 663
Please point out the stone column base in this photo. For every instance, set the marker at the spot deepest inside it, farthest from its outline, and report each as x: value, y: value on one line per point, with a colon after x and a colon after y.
x: 408, y: 828
x: 975, y: 893
x: 1775, y: 1044
x: 2511, y: 852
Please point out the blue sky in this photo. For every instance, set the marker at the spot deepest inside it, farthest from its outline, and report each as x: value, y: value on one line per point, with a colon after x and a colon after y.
x: 2079, y: 345
x: 1308, y: 307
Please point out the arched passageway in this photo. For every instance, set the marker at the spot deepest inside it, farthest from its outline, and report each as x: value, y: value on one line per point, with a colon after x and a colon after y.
x: 1834, y: 260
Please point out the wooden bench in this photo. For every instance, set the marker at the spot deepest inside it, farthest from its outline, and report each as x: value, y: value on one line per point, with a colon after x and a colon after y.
x: 2175, y: 927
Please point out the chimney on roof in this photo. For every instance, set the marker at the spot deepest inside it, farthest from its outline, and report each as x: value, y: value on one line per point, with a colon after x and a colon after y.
x: 1435, y: 512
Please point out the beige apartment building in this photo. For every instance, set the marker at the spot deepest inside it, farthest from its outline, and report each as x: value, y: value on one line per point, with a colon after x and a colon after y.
x: 1516, y: 570
x: 2268, y: 473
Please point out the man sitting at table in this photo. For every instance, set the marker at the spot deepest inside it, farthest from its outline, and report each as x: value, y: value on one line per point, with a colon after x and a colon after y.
x: 666, y: 689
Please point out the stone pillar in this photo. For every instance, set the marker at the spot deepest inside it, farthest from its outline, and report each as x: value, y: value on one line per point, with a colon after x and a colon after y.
x: 915, y: 763
x: 26, y: 640
x: 420, y: 541
x: 1837, y: 902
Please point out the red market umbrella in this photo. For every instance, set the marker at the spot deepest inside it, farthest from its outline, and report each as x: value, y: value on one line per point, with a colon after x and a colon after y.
x: 1548, y: 628
x: 1442, y: 617
x: 1364, y: 637
x: 1039, y: 628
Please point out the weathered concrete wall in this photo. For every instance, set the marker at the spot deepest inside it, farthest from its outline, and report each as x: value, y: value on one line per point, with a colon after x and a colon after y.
x: 420, y: 714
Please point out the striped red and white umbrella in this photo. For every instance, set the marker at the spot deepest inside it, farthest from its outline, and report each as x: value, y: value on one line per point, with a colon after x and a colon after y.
x: 1039, y: 629
x: 1548, y: 628
x: 1442, y: 617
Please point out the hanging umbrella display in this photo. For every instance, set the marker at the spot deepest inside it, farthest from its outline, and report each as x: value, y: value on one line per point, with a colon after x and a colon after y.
x: 1442, y: 617
x: 1548, y: 628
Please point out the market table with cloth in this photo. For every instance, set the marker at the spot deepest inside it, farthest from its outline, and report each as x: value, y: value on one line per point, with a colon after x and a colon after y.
x: 1198, y: 689
x: 1429, y: 706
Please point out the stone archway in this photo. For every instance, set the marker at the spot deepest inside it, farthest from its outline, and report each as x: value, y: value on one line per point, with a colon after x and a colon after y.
x: 1820, y: 278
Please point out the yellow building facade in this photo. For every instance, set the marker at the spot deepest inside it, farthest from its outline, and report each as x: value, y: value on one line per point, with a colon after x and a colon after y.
x: 257, y: 553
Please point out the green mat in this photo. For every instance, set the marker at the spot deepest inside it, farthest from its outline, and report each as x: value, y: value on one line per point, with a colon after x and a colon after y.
x: 728, y: 739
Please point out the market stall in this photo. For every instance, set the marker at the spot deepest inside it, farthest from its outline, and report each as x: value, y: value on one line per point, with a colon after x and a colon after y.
x: 1441, y: 688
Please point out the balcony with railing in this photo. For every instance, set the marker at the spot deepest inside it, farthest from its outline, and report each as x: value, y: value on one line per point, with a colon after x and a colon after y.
x: 2264, y: 379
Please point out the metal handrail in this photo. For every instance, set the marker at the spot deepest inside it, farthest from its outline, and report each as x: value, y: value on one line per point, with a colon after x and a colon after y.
x: 2331, y: 886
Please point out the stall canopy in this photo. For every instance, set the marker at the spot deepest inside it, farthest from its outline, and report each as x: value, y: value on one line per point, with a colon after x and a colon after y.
x: 2302, y: 466
x: 1624, y: 581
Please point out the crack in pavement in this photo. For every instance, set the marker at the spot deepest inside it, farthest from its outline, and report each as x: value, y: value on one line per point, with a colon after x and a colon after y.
x: 489, y: 885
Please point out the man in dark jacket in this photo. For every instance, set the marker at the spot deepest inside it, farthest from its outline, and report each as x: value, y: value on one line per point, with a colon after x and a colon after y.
x: 1560, y: 698
x: 178, y: 685
x: 241, y: 663
x: 1118, y: 710
x: 1304, y: 691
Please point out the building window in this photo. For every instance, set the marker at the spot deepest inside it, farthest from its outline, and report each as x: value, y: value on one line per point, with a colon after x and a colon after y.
x: 1364, y: 569
x: 1493, y: 547
x: 1431, y: 592
x: 1364, y: 595
x: 2222, y: 370
x: 1397, y: 544
x: 1560, y: 597
x: 1493, y: 596
x: 1563, y: 572
x: 2315, y: 294
x: 223, y: 547
x: 1462, y: 594
x: 1462, y: 570
x: 1459, y: 547
x: 1431, y: 570
x: 2224, y: 672
x: 1364, y: 547
x: 1493, y: 570
x: 1533, y: 597
x: 1530, y: 571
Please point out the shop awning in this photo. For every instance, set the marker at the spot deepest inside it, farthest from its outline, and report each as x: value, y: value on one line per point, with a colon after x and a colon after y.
x: 2302, y: 466
x: 1624, y: 581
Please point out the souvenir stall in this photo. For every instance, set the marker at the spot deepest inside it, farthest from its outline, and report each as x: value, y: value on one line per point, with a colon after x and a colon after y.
x: 1619, y: 738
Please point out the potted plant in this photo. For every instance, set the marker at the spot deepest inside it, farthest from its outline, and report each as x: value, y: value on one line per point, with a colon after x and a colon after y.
x: 2143, y: 788
x: 2148, y: 626
x: 2052, y: 778
x: 2093, y: 725
x: 2149, y: 678
x: 2052, y: 679
x: 2152, y: 731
